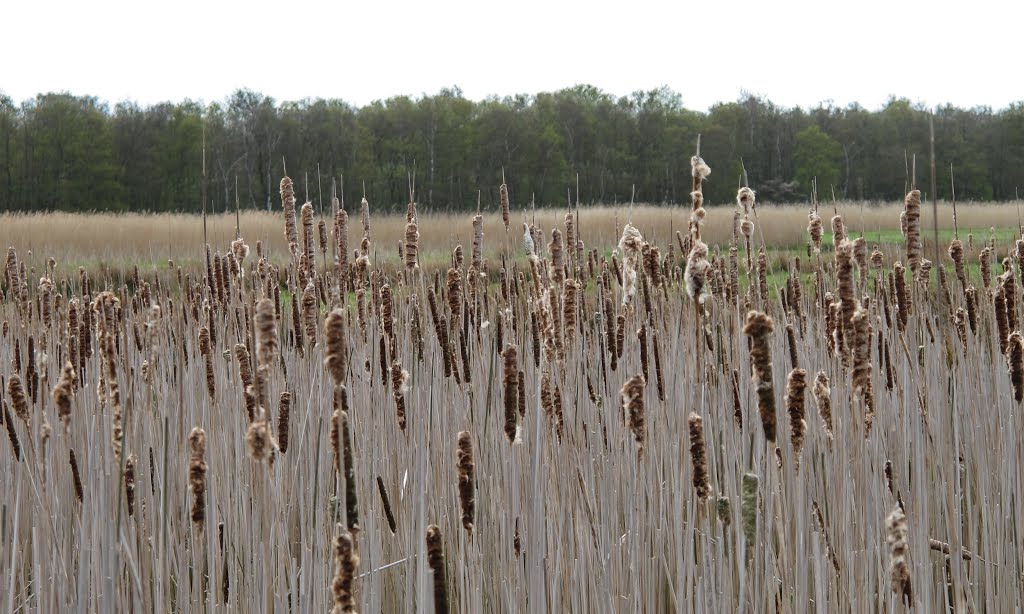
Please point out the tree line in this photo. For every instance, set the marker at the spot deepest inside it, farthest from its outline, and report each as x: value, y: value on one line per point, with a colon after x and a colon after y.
x: 77, y: 153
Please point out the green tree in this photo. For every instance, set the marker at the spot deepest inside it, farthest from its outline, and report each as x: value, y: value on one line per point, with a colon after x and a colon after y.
x: 817, y: 156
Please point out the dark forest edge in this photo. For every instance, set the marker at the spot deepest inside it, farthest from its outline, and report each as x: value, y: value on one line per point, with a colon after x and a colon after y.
x: 77, y: 153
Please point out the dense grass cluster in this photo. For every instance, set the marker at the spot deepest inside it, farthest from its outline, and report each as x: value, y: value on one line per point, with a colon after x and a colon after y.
x: 535, y: 422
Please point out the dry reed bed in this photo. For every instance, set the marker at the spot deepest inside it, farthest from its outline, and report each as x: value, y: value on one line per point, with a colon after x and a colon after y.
x: 621, y: 464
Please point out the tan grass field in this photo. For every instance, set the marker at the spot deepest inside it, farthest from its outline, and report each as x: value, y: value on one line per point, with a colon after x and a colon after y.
x: 119, y: 241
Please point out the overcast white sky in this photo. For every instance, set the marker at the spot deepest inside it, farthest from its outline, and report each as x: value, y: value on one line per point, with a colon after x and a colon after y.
x: 797, y: 52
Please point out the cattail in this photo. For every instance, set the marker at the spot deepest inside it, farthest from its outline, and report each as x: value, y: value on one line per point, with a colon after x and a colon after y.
x: 387, y: 505
x: 658, y: 373
x: 364, y: 214
x: 899, y: 571
x: 244, y: 364
x: 12, y: 434
x: 511, y: 390
x: 412, y: 239
x: 129, y: 482
x: 336, y: 360
x: 956, y: 252
x: 283, y: 414
x: 46, y: 300
x: 1015, y: 361
x: 985, y: 257
x: 207, y: 353
x: 62, y: 394
x: 862, y: 368
x: 796, y: 383
x: 570, y: 308
x: 641, y: 335
x: 435, y: 559
x: 912, y: 204
x: 308, y: 247
x: 197, y: 475
x: 288, y: 203
x: 17, y: 392
x: 633, y: 400
x: 629, y: 245
x: 620, y: 334
x: 521, y: 393
x: 697, y: 266
x: 960, y: 323
x: 556, y: 249
x: 503, y: 195
x: 748, y: 510
x: 1008, y: 284
x: 903, y: 303
x: 838, y: 230
x: 814, y: 229
x: 309, y: 312
x: 478, y: 241
x: 758, y: 327
x: 258, y: 441
x: 76, y: 477
x: 346, y: 562
x: 467, y: 484
x: 266, y: 333
x: 971, y: 294
x: 1002, y: 326
x: 698, y: 454
x: 762, y: 276
x: 399, y: 386
x: 454, y: 285
x: 823, y: 398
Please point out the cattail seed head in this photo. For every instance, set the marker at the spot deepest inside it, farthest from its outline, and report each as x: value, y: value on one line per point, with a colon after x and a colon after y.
x: 291, y: 233
x: 510, y: 381
x: 62, y: 393
x: 899, y: 571
x: 1015, y: 362
x: 436, y: 561
x: 346, y: 562
x: 503, y: 196
x: 197, y: 476
x: 759, y: 326
x: 823, y: 398
x: 796, y: 383
x: 336, y: 360
x: 17, y: 393
x: 633, y: 401
x: 467, y: 486
x: 699, y: 456
x: 266, y: 333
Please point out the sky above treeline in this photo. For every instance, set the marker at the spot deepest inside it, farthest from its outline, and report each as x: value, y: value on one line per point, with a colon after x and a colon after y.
x: 794, y: 52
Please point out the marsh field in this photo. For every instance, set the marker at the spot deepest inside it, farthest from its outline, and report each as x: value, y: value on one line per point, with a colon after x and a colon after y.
x: 315, y: 409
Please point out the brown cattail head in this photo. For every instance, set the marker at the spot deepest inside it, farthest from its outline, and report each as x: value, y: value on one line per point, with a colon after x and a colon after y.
x: 503, y: 195
x: 633, y: 401
x: 510, y: 382
x: 291, y: 233
x: 336, y: 360
x: 62, y: 393
x: 364, y: 213
x: 244, y: 365
x: 197, y: 476
x: 823, y: 398
x: 1015, y: 362
x: 129, y: 482
x: 76, y: 477
x: 466, y: 467
x: 258, y: 441
x: 796, y: 383
x: 412, y: 241
x: 814, y: 229
x: 629, y: 245
x: 308, y: 247
x: 266, y: 332
x: 956, y: 253
x: 838, y: 229
x: 18, y: 397
x: 699, y: 455
x: 346, y: 562
x: 912, y: 209
x: 697, y: 267
x: 436, y: 561
x: 899, y: 571
x: 759, y: 326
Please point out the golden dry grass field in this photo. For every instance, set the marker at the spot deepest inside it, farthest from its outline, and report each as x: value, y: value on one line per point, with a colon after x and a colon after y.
x: 626, y: 427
